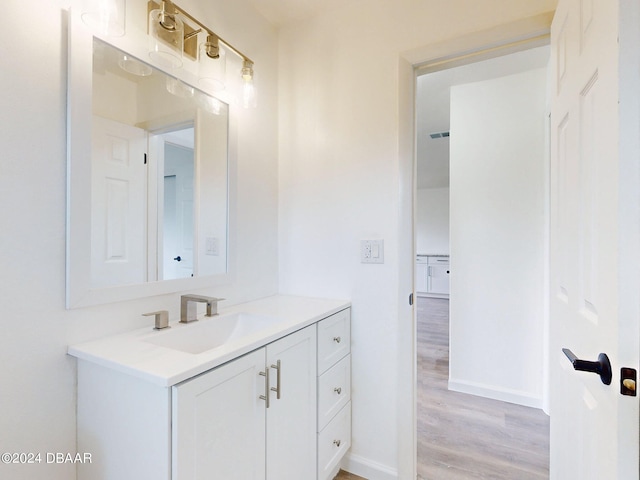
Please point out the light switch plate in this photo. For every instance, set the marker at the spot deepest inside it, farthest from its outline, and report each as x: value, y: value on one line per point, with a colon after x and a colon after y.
x: 372, y: 251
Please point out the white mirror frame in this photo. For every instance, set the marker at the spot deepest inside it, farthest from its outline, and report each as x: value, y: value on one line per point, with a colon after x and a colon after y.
x: 79, y: 292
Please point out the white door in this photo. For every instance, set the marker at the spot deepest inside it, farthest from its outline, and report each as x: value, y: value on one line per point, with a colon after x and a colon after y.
x: 594, y: 429
x: 118, y: 204
x: 291, y: 416
x: 178, y: 225
x: 218, y: 426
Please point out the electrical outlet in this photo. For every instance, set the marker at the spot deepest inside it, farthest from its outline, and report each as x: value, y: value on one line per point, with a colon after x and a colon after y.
x: 211, y: 246
x: 372, y: 251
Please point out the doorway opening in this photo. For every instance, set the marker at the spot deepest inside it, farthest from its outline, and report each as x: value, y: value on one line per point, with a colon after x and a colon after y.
x: 481, y: 210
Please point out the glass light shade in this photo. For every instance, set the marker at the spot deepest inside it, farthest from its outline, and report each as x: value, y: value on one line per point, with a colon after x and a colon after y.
x: 134, y: 66
x: 105, y: 17
x: 179, y: 88
x: 248, y: 88
x: 212, y: 71
x: 248, y: 93
x: 166, y: 39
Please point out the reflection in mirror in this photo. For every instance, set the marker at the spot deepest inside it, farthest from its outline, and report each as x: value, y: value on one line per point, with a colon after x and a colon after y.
x: 158, y: 175
x: 177, y: 224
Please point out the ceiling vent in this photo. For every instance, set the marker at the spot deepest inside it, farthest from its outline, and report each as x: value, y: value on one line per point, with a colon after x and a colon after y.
x: 439, y: 134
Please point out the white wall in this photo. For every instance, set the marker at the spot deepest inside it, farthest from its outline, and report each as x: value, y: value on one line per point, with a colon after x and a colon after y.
x: 342, y: 178
x: 432, y: 221
x: 497, y: 237
x: 37, y: 398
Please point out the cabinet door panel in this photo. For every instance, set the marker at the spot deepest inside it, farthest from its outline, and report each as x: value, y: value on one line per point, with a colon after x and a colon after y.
x: 291, y: 419
x: 219, y: 423
x: 439, y: 279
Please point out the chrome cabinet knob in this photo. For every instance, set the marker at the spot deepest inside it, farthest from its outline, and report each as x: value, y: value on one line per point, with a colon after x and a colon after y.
x: 337, y: 339
x: 338, y: 390
x: 337, y: 443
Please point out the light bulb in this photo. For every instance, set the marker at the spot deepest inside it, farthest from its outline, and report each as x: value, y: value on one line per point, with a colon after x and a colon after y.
x: 248, y: 88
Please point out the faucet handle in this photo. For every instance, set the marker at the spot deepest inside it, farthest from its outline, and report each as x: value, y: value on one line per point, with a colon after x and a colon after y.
x: 161, y: 319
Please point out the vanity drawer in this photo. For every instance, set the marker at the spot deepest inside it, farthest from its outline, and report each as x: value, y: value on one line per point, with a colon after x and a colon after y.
x: 334, y: 391
x: 334, y: 339
x: 333, y: 443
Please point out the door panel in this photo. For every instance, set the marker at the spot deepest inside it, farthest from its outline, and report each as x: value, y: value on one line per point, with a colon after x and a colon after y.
x: 118, y: 205
x: 587, y: 416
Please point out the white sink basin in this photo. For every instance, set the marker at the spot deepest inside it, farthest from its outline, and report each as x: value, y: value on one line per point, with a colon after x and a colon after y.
x: 212, y: 332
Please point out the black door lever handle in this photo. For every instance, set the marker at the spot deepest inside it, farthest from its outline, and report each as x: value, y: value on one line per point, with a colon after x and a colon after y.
x: 602, y: 367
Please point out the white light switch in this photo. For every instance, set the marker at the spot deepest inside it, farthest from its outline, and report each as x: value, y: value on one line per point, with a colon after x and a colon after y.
x: 372, y: 251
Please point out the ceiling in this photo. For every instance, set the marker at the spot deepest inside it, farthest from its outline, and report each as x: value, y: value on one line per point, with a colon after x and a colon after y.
x: 433, y: 104
x: 281, y: 12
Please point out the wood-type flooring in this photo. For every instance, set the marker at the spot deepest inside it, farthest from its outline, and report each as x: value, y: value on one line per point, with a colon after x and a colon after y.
x: 465, y: 437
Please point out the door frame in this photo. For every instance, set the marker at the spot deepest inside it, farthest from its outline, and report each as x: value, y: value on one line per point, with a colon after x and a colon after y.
x: 498, y: 41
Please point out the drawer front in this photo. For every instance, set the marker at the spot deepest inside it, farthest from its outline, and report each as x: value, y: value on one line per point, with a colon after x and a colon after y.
x: 334, y: 391
x: 333, y: 443
x: 438, y: 261
x: 334, y: 339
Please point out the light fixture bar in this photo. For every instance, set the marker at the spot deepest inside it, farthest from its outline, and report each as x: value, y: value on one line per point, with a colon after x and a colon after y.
x: 189, y: 33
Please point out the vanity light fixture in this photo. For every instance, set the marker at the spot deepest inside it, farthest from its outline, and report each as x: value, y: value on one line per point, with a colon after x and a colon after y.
x: 105, y: 17
x: 212, y: 64
x: 166, y: 18
x: 248, y: 89
x: 166, y: 33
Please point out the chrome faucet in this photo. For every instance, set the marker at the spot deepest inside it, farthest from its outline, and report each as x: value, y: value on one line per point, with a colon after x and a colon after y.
x: 189, y: 308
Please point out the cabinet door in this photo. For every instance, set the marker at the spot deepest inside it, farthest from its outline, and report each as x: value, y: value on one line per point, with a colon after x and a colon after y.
x: 219, y: 423
x: 421, y: 277
x: 439, y: 279
x: 291, y: 418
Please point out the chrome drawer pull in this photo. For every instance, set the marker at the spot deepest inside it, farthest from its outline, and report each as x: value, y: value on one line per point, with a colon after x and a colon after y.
x: 337, y: 443
x: 337, y: 339
x: 338, y: 390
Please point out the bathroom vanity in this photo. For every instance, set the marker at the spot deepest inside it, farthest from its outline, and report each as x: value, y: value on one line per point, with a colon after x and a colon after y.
x: 261, y: 391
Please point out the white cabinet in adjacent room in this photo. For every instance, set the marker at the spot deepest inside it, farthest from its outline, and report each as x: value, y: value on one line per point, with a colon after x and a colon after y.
x: 432, y: 275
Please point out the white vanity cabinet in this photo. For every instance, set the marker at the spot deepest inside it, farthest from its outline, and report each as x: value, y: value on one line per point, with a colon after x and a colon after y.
x: 334, y: 392
x: 214, y: 422
x: 223, y: 424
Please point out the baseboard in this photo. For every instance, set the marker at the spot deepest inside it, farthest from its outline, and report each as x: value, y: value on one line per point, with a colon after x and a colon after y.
x: 502, y: 394
x: 368, y: 469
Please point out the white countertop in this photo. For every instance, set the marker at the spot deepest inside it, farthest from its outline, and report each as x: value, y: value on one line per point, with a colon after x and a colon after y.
x: 130, y: 352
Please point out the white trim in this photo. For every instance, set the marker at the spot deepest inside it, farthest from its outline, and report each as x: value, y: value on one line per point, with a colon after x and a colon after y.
x: 495, y: 393
x: 366, y: 468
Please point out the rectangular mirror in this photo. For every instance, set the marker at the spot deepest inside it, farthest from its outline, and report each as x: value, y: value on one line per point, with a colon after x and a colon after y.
x: 148, y: 179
